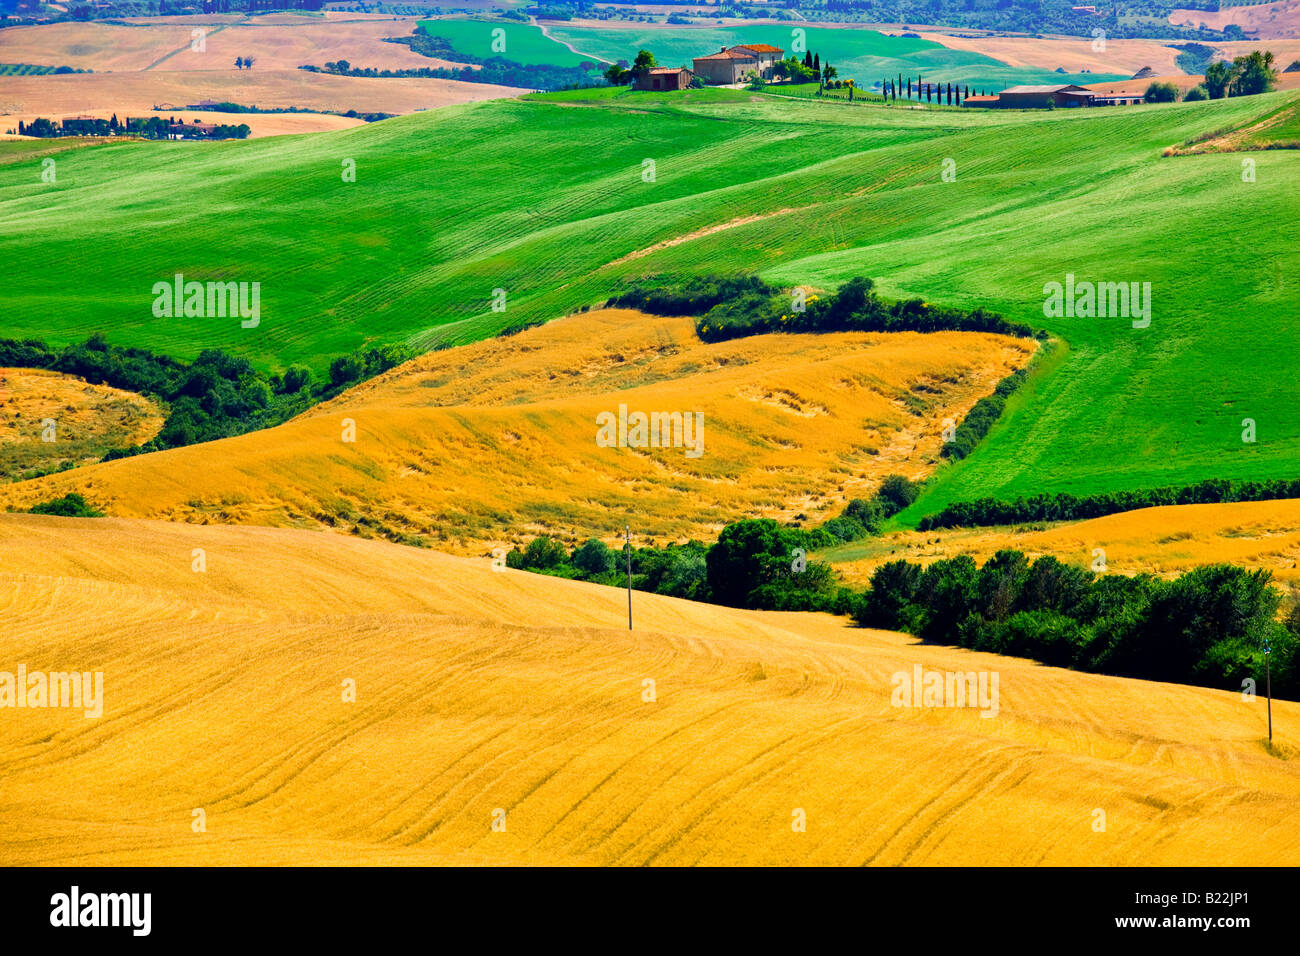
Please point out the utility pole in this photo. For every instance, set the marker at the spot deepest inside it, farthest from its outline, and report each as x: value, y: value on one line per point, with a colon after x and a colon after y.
x: 627, y: 546
x: 1268, y: 686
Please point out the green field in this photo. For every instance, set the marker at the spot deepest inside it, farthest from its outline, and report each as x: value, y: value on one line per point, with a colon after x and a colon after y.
x: 543, y: 196
x: 866, y: 55
x: 524, y: 43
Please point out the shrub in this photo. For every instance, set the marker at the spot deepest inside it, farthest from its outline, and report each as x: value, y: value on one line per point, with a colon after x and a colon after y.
x: 593, y: 557
x: 1160, y: 93
x: 894, y: 587
x: 543, y: 554
x: 1197, y: 92
x: 896, y: 493
x: 71, y: 505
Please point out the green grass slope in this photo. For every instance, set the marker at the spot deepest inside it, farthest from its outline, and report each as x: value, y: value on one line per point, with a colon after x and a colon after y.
x: 520, y: 42
x: 546, y: 198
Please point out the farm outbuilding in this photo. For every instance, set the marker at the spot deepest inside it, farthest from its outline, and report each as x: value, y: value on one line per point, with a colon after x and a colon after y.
x: 1042, y: 97
x: 664, y: 78
x: 1038, y: 97
x: 1116, y: 99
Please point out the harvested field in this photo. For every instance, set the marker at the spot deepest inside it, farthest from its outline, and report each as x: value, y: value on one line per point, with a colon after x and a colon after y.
x: 1266, y: 20
x: 259, y: 124
x: 479, y: 694
x: 1075, y: 54
x: 1165, y: 541
x: 136, y: 93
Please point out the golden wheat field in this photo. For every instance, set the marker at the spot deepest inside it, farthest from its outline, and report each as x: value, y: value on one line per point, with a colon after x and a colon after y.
x: 86, y: 420
x: 485, y: 696
x: 281, y: 43
x: 496, y: 441
x: 259, y: 124
x: 1164, y: 541
x: 1267, y: 20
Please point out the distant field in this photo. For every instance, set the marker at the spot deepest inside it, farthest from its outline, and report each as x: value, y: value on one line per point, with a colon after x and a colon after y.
x: 1165, y: 541
x: 524, y: 43
x: 102, y: 47
x: 136, y: 93
x: 495, y: 441
x: 1074, y: 54
x: 865, y: 55
x: 1268, y: 20
x: 25, y: 69
x: 479, y: 694
x: 284, y: 42
x: 153, y: 62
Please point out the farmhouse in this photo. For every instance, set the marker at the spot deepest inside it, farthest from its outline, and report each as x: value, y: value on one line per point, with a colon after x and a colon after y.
x: 664, y: 78
x: 194, y: 130
x: 731, y: 65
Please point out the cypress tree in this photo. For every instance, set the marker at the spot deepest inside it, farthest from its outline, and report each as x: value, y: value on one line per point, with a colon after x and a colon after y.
x: 817, y: 63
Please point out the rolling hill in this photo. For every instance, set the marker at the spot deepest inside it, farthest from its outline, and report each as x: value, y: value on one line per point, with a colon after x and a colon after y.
x: 483, y: 696
x: 496, y: 441
x: 449, y: 207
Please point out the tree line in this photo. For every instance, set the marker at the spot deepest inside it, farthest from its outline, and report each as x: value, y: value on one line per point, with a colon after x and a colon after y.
x: 1209, y: 626
x: 149, y: 127
x: 729, y: 307
x: 755, y: 563
x: 1068, y: 507
x: 218, y: 395
x: 933, y: 92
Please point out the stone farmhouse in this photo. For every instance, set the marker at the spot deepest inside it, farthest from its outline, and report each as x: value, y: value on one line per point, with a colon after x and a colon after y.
x: 731, y: 65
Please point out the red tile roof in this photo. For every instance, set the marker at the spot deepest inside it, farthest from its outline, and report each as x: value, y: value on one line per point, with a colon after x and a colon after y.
x: 732, y: 54
x: 761, y: 48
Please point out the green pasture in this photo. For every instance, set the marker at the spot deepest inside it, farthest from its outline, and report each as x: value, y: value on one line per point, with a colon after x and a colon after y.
x: 546, y: 196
